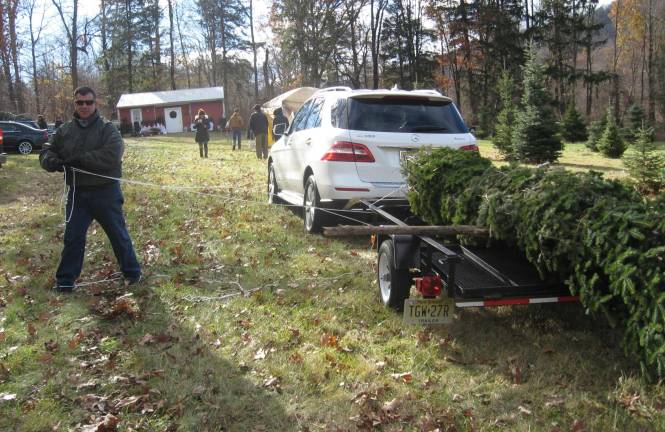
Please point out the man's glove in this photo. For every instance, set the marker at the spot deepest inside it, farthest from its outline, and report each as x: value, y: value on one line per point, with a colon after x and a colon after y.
x: 51, y: 163
x: 55, y: 164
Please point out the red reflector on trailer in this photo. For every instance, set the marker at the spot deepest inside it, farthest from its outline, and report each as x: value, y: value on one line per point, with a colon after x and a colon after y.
x: 516, y: 301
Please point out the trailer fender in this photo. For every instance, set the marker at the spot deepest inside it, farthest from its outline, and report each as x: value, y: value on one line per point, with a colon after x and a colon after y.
x: 407, y: 251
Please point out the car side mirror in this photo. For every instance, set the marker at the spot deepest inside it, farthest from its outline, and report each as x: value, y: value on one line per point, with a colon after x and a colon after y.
x: 279, y: 129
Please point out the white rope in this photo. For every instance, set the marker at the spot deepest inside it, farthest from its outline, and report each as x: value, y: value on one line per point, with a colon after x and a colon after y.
x: 65, y: 197
x: 227, y: 199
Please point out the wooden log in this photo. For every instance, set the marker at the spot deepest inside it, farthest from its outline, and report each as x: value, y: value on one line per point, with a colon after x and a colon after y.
x: 427, y: 230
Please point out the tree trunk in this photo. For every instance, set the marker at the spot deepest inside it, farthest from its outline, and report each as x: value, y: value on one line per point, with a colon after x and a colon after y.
x: 651, y: 104
x: 182, y: 49
x: 615, y: 60
x: 128, y: 38
x: 5, y: 55
x: 266, y: 77
x: 13, y: 10
x: 33, y: 44
x: 158, y: 48
x: 256, y: 71
x: 171, y: 46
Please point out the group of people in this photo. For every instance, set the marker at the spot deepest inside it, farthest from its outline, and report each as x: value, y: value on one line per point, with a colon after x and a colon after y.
x: 258, y: 126
x: 41, y: 122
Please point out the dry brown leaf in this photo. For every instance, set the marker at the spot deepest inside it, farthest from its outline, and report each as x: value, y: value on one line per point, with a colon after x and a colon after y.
x: 391, y: 407
x: 128, y: 402
x: 147, y: 339
x: 76, y: 340
x: 404, y: 376
x: 51, y: 345
x: 108, y: 424
x: 577, y: 426
x: 6, y: 397
x: 260, y: 354
x: 524, y: 410
x: 329, y: 340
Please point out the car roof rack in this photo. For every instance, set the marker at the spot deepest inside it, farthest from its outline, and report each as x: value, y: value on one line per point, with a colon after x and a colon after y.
x: 334, y: 89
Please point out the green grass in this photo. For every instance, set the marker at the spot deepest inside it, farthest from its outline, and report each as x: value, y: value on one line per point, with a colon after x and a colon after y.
x: 311, y: 349
x: 575, y: 157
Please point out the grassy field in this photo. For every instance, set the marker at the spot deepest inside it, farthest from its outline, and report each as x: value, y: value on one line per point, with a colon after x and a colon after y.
x: 244, y: 323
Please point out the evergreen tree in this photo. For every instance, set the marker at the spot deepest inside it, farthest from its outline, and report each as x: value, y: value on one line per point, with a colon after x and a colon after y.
x: 535, y: 135
x: 636, y: 121
x: 645, y: 165
x: 596, y: 129
x: 610, y: 143
x: 573, y: 128
x: 503, y: 136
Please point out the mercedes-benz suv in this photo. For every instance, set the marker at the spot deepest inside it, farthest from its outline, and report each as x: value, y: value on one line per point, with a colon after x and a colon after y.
x: 344, y: 145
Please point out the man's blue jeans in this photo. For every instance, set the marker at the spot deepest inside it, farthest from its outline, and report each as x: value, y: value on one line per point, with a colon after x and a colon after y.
x: 237, y: 135
x: 103, y: 204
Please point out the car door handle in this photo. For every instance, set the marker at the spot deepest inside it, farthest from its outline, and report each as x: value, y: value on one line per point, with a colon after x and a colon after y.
x: 308, y: 141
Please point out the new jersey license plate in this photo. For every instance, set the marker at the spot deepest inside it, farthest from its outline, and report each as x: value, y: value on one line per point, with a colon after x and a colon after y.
x: 428, y: 311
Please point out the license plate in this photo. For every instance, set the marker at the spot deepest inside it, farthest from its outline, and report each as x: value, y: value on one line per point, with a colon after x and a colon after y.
x: 429, y: 311
x: 405, y: 155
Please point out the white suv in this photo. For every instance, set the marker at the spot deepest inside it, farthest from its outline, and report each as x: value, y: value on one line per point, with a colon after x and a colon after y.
x: 344, y: 145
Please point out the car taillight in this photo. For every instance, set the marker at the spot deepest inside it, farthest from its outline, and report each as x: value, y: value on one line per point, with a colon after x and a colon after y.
x: 470, y: 147
x: 345, y: 151
x: 429, y: 286
x: 0, y: 137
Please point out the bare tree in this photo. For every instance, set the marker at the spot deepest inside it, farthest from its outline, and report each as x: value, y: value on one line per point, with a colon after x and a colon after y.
x: 34, y: 40
x: 5, y: 55
x: 72, y: 36
x: 376, y: 23
x: 172, y: 69
x: 182, y: 48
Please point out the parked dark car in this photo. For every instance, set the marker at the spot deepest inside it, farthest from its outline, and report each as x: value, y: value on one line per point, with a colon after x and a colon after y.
x: 33, y: 124
x: 21, y: 138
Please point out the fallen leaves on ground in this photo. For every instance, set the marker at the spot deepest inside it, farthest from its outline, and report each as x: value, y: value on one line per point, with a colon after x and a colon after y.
x: 123, y: 305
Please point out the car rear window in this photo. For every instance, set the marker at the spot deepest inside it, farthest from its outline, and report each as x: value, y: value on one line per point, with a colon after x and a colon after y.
x: 400, y: 114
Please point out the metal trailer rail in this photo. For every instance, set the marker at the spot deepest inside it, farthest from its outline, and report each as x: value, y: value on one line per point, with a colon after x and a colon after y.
x: 470, y: 276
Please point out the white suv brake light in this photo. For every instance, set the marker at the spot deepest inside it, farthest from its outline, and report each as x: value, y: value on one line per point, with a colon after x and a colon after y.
x: 345, y: 151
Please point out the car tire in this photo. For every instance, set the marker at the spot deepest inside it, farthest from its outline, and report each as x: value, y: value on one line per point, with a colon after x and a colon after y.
x: 24, y: 147
x: 394, y: 284
x: 273, y: 189
x: 315, y: 218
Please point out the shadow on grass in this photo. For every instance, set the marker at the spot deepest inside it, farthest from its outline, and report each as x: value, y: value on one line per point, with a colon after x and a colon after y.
x: 190, y: 384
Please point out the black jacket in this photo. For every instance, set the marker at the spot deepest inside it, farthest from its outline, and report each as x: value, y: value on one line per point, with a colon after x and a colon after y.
x: 258, y: 123
x: 280, y: 119
x: 202, y: 124
x: 93, y: 145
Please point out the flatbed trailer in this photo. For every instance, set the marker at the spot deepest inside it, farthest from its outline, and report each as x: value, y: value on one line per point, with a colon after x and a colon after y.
x: 454, y: 275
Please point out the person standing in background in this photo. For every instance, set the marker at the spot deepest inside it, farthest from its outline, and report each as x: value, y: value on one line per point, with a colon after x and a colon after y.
x: 41, y: 122
x: 236, y: 123
x: 258, y: 124
x: 202, y: 124
x: 280, y: 118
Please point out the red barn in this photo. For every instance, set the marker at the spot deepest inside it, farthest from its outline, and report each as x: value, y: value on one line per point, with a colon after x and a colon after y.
x: 175, y: 108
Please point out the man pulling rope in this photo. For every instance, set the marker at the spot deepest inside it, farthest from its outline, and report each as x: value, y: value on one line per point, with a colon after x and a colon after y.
x: 90, y: 143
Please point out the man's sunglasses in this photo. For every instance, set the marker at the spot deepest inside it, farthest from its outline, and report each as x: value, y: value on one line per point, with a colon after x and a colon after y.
x: 84, y: 102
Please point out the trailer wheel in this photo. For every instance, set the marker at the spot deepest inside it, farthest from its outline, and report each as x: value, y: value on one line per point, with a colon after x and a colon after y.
x: 394, y: 284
